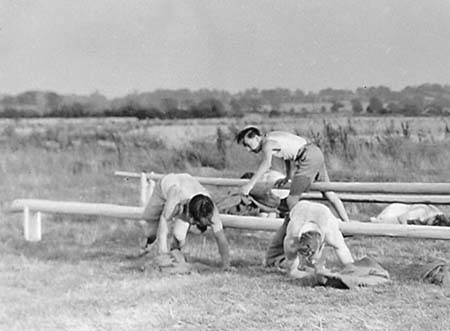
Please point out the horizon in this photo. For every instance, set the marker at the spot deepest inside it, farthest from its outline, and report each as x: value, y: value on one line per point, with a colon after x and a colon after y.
x: 212, y: 89
x: 141, y: 46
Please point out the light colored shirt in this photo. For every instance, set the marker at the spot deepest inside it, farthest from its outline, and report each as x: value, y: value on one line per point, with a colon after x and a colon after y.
x: 287, y: 144
x: 307, y: 216
x: 178, y: 189
x: 396, y: 213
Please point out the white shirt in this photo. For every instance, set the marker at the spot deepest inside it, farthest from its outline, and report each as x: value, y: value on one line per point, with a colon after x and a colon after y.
x: 179, y: 188
x: 288, y: 144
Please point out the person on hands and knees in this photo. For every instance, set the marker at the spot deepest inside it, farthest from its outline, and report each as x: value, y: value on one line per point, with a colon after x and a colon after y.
x: 311, y: 227
x: 180, y: 201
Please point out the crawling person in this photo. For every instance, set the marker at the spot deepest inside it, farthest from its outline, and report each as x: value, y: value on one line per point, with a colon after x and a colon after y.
x: 179, y: 200
x: 311, y: 227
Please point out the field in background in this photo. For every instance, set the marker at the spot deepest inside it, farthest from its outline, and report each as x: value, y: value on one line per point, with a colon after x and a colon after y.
x: 81, y: 275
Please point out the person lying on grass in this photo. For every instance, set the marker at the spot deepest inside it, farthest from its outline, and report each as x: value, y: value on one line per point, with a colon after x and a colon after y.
x: 419, y: 214
x: 311, y: 227
x: 181, y: 200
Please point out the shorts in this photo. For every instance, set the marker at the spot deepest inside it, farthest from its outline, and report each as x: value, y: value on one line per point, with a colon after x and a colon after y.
x: 153, y: 211
x: 155, y: 204
x: 311, y: 163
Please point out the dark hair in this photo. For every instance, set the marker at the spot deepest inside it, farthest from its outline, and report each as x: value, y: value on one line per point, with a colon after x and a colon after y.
x: 251, y: 131
x: 201, y: 206
x: 247, y: 175
x: 441, y: 220
x: 309, y: 243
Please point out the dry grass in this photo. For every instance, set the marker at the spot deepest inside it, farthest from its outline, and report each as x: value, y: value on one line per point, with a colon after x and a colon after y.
x: 82, y: 275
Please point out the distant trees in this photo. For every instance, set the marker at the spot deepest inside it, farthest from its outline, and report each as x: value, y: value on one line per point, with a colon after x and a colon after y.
x: 183, y: 103
x: 375, y: 105
x: 357, y: 107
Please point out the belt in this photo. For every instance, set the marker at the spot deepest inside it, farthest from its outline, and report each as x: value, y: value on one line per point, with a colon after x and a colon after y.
x: 301, y: 152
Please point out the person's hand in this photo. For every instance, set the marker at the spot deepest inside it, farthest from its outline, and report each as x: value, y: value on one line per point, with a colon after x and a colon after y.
x: 281, y: 182
x: 245, y: 189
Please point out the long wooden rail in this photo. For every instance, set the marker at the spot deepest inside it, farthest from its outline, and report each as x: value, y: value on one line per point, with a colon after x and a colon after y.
x: 32, y: 209
x: 348, y: 192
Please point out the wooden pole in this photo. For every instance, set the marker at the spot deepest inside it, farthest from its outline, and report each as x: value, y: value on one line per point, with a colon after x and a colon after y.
x: 353, y: 187
x: 347, y: 228
x: 229, y: 221
x: 32, y: 225
x: 369, y: 197
x: 77, y: 208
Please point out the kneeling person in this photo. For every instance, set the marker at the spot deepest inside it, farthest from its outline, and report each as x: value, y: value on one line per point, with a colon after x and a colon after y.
x: 181, y: 199
x: 311, y: 227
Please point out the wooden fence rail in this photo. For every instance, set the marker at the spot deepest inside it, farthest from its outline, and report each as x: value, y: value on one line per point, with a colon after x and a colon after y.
x: 32, y: 209
x: 348, y: 192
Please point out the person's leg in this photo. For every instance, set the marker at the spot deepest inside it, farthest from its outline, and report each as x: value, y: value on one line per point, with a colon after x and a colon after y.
x: 152, y: 213
x: 307, y: 167
x: 337, y: 203
x: 276, y: 247
x: 178, y: 239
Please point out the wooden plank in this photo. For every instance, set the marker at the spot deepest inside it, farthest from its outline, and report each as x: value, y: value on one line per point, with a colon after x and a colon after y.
x: 368, y: 197
x: 77, y: 208
x: 347, y: 228
x: 351, y: 187
x: 231, y: 221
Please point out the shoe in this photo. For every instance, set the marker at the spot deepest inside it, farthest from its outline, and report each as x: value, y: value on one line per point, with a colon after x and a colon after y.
x: 146, y: 245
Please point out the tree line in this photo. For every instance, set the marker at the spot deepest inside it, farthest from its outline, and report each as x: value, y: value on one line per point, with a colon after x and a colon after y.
x: 183, y: 103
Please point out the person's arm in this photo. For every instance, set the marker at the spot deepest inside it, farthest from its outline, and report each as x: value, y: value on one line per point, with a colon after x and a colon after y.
x: 336, y: 240
x: 221, y: 240
x: 282, y: 181
x: 264, y: 166
x: 223, y: 247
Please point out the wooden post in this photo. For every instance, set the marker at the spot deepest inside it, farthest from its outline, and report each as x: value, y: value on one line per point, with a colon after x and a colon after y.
x: 32, y: 225
x: 144, y: 188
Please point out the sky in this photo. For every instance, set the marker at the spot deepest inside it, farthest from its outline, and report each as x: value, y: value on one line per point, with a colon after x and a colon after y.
x: 118, y: 47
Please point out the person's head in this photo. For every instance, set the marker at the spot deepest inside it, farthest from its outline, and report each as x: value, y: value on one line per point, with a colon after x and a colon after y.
x: 201, y: 210
x: 441, y: 220
x: 309, y: 245
x: 250, y: 138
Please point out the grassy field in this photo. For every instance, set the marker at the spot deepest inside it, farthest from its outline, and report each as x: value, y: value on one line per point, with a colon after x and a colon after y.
x: 83, y: 275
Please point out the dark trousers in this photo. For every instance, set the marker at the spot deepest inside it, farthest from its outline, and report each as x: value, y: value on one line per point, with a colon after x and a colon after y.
x: 276, y: 247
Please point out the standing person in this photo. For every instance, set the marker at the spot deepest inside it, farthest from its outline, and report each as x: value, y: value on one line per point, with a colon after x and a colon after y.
x: 309, y: 167
x: 308, y: 160
x: 181, y: 199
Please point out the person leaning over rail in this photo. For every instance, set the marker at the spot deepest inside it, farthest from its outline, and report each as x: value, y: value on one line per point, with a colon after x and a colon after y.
x: 309, y: 167
x: 311, y: 227
x: 181, y: 199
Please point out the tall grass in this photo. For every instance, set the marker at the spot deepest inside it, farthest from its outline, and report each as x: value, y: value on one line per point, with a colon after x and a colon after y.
x: 70, y: 161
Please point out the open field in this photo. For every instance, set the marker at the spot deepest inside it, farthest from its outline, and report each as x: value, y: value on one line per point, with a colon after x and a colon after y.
x: 82, y: 275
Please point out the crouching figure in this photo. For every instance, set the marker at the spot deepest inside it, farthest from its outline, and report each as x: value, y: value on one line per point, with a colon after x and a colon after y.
x: 179, y: 201
x: 310, y: 228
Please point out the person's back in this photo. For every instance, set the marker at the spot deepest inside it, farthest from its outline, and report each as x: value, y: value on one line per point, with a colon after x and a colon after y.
x: 288, y: 144
x: 306, y: 215
x: 186, y: 185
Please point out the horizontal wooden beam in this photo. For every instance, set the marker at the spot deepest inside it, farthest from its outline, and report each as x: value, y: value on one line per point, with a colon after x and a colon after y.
x: 434, y: 193
x: 384, y: 198
x: 229, y: 221
x: 77, y: 208
x: 347, y: 228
